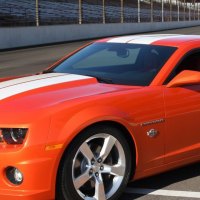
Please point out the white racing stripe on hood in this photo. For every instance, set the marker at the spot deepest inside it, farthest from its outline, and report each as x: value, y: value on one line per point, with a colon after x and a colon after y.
x: 28, y: 79
x: 17, y: 86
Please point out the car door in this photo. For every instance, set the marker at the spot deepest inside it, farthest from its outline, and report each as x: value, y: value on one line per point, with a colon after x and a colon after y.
x: 182, y: 107
x: 182, y: 122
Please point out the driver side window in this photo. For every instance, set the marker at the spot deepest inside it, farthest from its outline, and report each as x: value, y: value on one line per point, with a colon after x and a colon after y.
x: 190, y: 62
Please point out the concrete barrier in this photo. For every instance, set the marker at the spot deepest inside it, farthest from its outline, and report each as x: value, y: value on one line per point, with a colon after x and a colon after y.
x: 31, y: 36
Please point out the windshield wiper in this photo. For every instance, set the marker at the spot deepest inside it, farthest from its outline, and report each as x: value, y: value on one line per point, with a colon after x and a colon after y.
x: 48, y: 71
x: 102, y: 79
x: 99, y: 79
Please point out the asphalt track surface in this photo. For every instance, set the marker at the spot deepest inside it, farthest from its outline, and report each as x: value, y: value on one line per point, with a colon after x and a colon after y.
x: 179, y: 184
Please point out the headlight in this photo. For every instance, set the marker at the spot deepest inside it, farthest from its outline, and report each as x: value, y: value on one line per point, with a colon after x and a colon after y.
x: 13, y: 135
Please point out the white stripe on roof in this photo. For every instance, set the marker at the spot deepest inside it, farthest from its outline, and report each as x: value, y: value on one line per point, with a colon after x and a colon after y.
x: 124, y: 39
x: 142, y: 39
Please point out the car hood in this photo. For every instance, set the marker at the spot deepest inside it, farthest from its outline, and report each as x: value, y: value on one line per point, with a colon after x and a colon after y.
x: 37, y: 92
x: 22, y: 99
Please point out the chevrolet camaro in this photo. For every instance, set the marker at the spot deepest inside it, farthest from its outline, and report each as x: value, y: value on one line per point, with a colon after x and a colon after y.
x: 116, y: 110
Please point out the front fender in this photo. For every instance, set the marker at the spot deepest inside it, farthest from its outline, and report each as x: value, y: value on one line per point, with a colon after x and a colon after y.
x: 64, y: 128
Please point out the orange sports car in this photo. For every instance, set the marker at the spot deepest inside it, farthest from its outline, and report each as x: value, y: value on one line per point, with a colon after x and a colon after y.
x: 116, y: 110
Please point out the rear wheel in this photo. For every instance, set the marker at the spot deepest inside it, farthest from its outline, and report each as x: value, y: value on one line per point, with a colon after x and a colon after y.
x: 95, y: 167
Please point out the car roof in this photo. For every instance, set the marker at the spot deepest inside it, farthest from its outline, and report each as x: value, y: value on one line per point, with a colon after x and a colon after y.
x: 156, y: 39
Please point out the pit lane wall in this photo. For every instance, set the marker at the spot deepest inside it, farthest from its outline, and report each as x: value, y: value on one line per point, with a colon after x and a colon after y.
x: 34, y: 36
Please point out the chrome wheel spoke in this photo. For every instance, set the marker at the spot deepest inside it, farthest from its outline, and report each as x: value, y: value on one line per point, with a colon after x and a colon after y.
x: 109, y: 143
x: 86, y: 151
x: 99, y: 189
x: 81, y: 180
x: 116, y: 170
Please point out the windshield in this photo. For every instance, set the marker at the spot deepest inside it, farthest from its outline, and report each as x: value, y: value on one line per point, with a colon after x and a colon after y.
x: 125, y: 64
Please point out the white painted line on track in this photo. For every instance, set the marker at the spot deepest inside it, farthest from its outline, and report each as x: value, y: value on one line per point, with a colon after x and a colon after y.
x: 167, y: 193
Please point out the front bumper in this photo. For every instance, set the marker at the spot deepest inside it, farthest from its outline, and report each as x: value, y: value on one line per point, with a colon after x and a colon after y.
x: 38, y: 168
x: 24, y: 195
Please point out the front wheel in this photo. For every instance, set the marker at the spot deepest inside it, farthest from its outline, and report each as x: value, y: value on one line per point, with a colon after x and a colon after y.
x: 96, y: 166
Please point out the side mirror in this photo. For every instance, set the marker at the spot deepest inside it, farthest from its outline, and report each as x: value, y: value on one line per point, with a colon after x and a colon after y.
x: 186, y: 77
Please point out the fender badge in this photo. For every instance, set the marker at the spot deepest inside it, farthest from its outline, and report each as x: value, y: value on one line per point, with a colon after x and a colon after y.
x: 152, y: 133
x: 152, y: 122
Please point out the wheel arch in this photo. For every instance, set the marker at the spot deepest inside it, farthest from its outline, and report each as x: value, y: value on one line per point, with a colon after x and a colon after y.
x: 128, y: 136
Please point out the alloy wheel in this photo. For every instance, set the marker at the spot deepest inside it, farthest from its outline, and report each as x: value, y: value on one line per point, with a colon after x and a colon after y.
x: 98, y: 167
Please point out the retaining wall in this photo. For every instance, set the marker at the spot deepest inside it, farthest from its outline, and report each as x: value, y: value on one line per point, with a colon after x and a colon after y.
x: 31, y: 36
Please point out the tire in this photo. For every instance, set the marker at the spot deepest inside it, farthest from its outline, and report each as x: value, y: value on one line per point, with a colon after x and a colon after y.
x: 96, y: 166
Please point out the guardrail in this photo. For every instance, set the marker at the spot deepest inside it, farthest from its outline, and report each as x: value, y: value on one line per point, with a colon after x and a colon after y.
x: 54, y: 12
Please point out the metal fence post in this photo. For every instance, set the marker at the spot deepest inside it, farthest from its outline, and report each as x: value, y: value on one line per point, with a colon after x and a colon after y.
x: 178, y: 7
x: 139, y: 11
x: 162, y: 10
x: 80, y: 11
x: 184, y: 9
x: 194, y: 7
x: 37, y: 13
x: 198, y: 10
x: 181, y: 8
x: 122, y: 11
x: 190, y: 12
x: 170, y: 10
x: 151, y: 10
x: 104, y: 13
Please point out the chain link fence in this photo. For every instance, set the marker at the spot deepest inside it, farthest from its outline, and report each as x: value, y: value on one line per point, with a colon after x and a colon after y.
x: 56, y: 12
